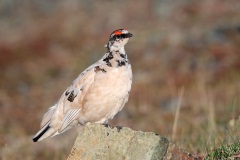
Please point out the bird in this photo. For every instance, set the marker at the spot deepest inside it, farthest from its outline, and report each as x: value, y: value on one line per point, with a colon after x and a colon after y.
x: 96, y: 95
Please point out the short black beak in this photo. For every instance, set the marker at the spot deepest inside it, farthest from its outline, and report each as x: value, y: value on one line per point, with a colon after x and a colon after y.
x: 129, y: 35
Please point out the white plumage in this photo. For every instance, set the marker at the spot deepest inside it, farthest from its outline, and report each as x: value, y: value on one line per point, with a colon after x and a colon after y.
x: 96, y: 95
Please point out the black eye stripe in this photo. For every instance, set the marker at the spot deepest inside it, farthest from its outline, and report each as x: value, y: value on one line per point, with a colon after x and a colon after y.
x: 125, y: 35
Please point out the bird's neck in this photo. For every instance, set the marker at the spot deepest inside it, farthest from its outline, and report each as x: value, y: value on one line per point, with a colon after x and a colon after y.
x: 114, y: 48
x: 116, y: 57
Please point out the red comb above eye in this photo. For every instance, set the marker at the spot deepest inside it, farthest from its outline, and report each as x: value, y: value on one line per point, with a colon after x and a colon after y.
x: 118, y: 32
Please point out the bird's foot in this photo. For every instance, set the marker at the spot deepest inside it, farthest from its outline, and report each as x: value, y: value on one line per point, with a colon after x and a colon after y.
x: 106, y: 125
x: 119, y: 128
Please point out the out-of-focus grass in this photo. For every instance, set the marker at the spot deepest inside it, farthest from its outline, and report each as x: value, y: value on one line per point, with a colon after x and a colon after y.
x: 229, y: 143
x: 191, y: 44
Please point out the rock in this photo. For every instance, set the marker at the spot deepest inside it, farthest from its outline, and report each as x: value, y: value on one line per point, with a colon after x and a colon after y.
x: 97, y: 142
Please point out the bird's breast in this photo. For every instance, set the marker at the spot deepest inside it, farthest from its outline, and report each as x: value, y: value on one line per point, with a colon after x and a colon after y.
x: 107, y: 94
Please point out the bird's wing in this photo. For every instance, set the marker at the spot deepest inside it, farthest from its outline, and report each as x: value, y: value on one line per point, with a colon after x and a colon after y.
x: 47, y: 116
x: 68, y: 118
x: 70, y: 104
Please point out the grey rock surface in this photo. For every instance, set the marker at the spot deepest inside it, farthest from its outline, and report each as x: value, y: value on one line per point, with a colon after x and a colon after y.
x: 97, y: 142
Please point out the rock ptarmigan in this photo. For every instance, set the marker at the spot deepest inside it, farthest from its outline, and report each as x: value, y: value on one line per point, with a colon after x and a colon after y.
x: 96, y: 95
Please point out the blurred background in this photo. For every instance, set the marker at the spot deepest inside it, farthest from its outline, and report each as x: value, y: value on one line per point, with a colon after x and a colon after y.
x: 188, y: 44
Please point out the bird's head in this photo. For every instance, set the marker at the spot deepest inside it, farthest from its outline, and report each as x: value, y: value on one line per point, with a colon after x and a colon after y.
x: 118, y: 38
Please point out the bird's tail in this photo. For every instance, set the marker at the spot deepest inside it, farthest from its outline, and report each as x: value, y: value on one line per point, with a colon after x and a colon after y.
x: 45, y: 132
